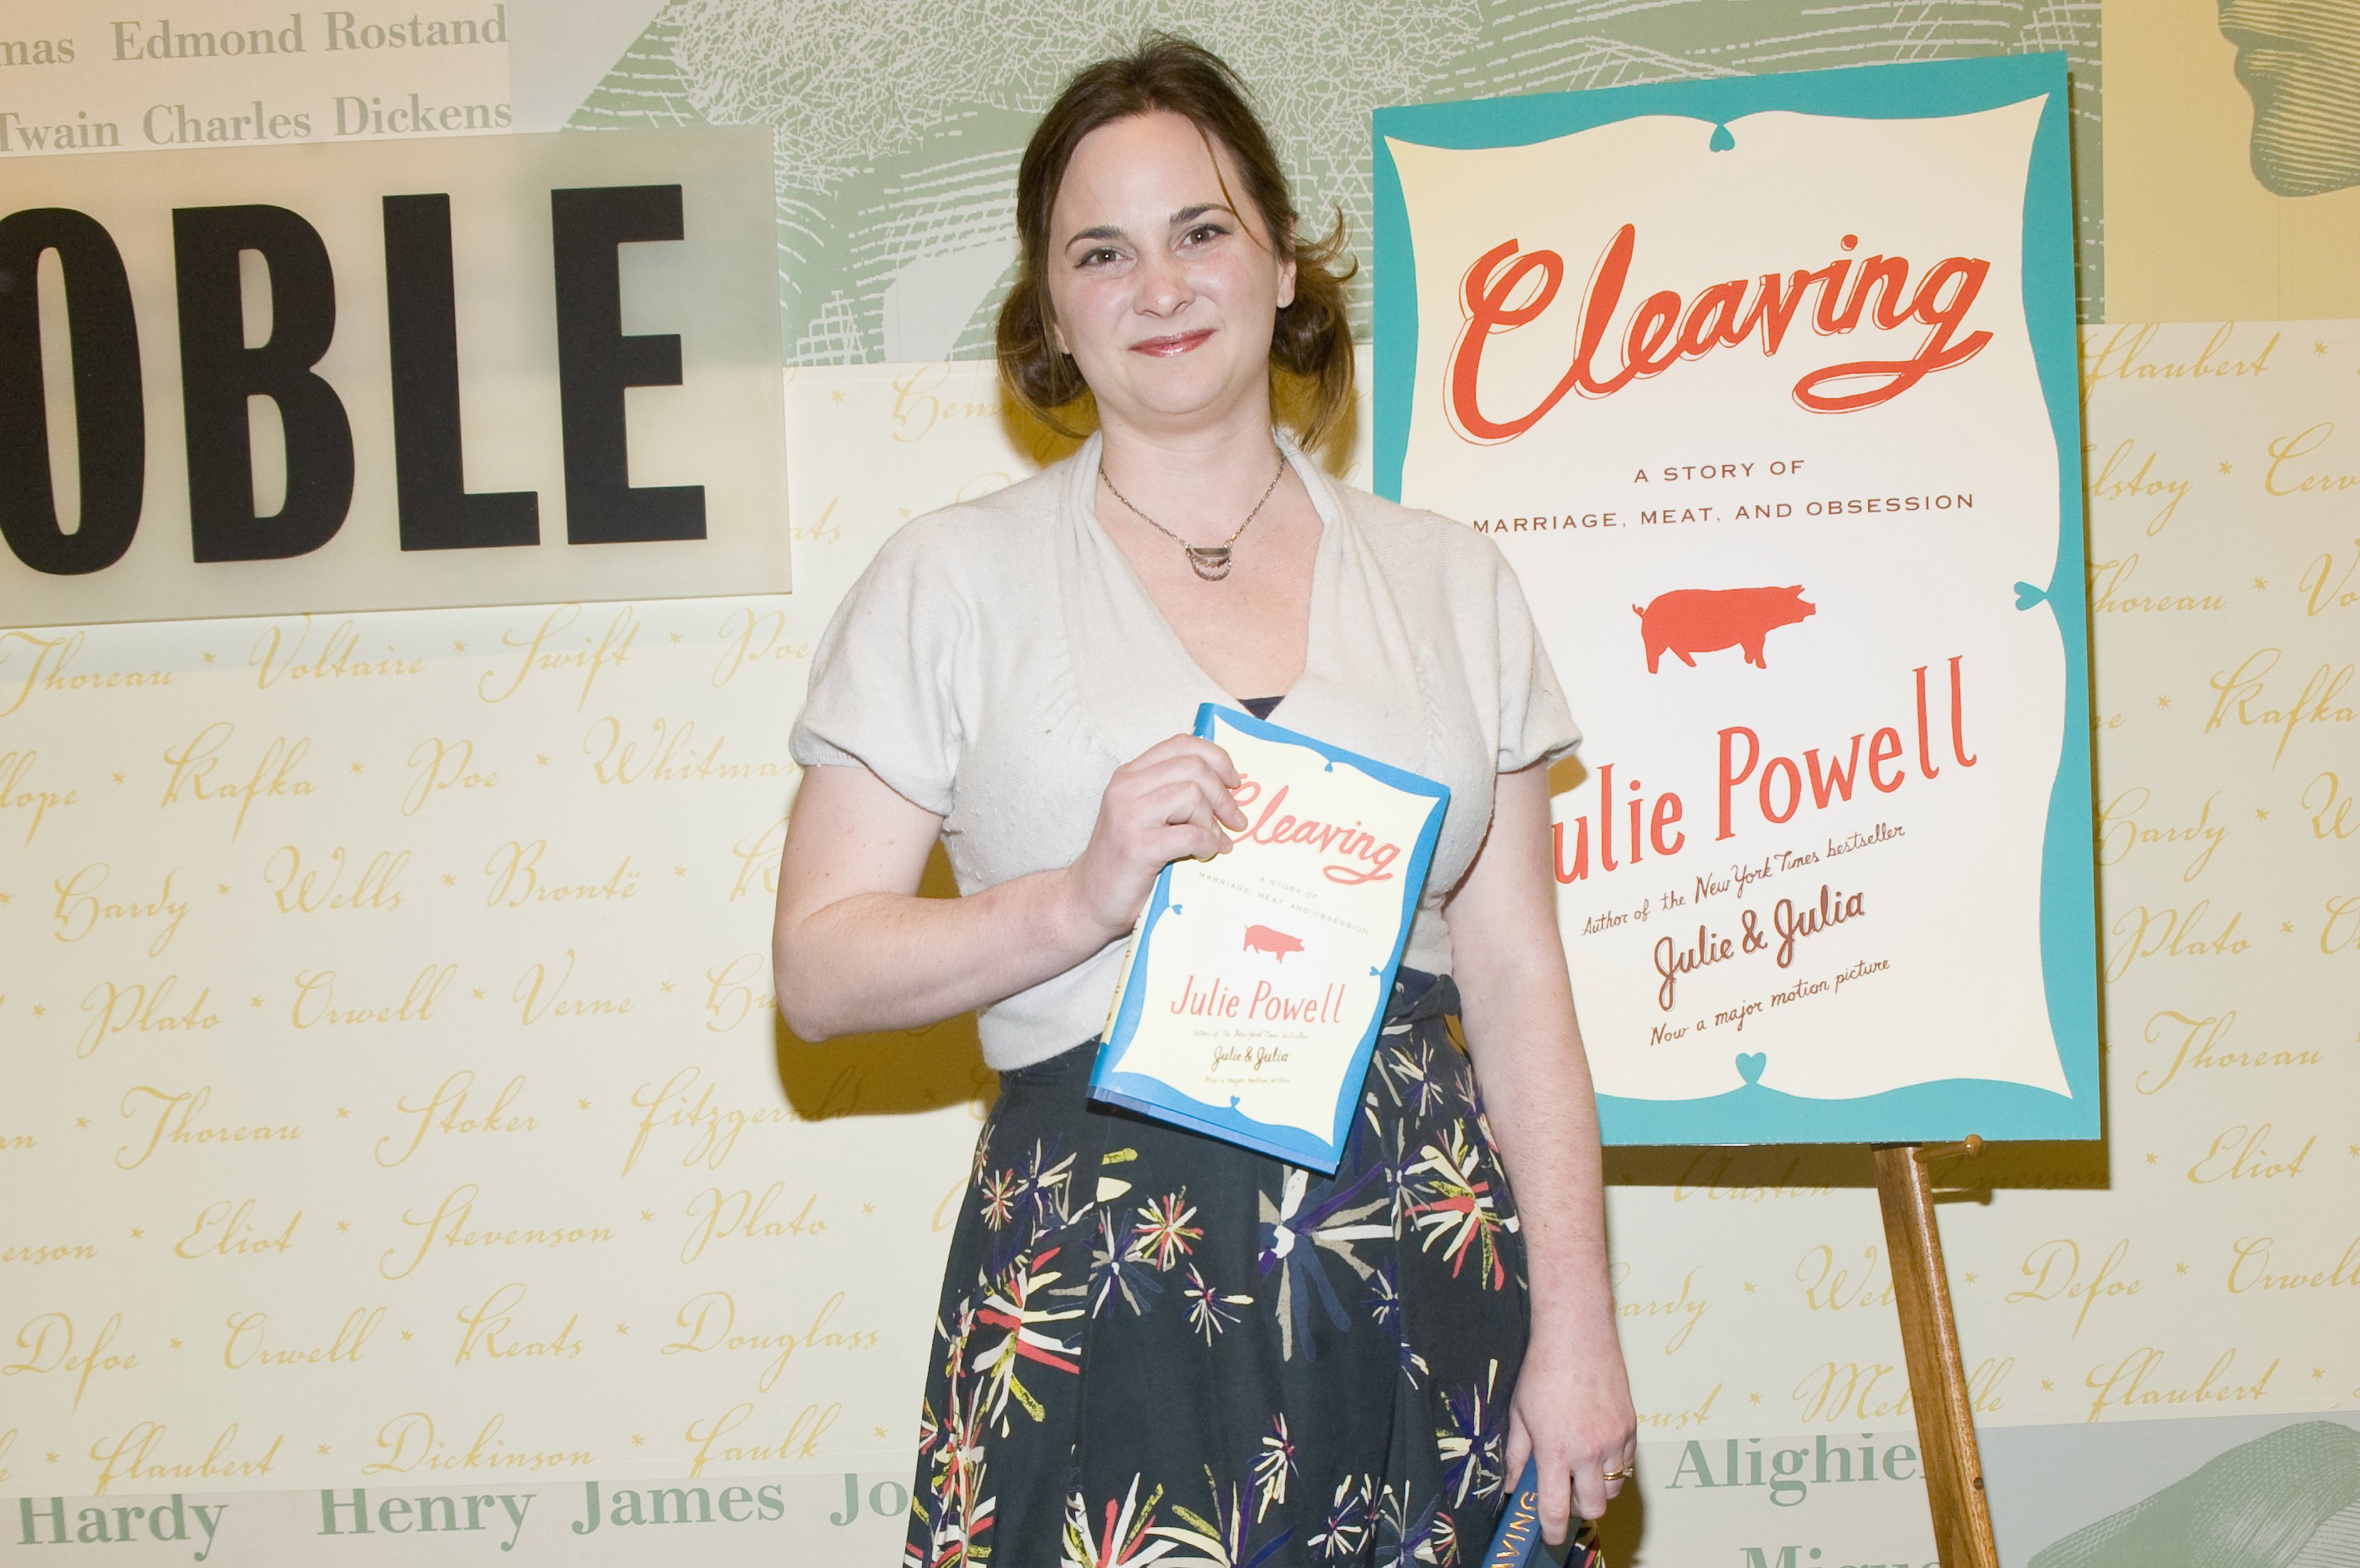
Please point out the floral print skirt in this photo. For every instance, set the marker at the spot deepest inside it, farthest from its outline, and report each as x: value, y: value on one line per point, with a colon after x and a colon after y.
x: 1157, y: 1347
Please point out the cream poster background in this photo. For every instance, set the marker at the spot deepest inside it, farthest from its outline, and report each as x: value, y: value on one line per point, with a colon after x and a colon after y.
x: 397, y: 1095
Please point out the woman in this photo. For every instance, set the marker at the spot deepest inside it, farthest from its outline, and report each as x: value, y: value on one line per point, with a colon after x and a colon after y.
x: 1150, y: 1342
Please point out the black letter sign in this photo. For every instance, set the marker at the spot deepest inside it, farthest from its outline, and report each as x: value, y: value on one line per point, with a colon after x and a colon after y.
x: 422, y: 322
x: 110, y: 430
x: 219, y: 373
x: 595, y: 362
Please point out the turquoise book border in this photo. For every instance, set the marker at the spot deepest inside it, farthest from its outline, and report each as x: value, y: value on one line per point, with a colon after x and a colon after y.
x: 1153, y: 1097
x: 2068, y: 954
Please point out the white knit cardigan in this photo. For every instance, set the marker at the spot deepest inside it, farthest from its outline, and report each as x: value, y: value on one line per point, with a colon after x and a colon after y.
x: 1000, y: 658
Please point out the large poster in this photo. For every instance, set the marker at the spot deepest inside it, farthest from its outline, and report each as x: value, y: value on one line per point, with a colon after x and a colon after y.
x: 1765, y: 387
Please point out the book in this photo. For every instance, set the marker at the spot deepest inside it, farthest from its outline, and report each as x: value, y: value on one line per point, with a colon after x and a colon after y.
x: 1518, y: 1542
x: 1256, y: 982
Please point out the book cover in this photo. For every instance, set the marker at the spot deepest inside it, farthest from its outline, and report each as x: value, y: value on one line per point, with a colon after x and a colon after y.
x: 1257, y: 982
x: 1518, y: 1542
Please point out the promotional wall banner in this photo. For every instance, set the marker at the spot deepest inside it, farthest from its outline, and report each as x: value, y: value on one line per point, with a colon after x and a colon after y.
x: 1767, y: 388
x: 385, y: 376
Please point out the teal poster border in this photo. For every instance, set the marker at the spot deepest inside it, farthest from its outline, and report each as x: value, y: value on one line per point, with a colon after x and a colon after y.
x: 2069, y: 949
x: 1153, y: 1097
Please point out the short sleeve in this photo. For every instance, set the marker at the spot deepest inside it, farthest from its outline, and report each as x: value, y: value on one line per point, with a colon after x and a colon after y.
x: 1535, y: 724
x: 884, y: 679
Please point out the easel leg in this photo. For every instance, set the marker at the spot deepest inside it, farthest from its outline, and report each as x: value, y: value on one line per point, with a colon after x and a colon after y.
x: 1930, y: 1341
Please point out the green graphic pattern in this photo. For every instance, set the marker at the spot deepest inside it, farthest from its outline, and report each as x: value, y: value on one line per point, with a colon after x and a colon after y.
x: 2290, y: 1500
x: 899, y: 126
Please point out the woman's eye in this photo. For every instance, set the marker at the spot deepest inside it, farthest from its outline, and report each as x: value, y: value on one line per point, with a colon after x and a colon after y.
x: 1096, y: 257
x: 1204, y: 232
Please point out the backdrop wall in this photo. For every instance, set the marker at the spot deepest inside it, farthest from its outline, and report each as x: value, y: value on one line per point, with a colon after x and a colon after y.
x: 394, y: 1099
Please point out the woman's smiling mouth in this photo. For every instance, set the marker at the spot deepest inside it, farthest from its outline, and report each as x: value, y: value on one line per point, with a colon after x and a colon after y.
x: 1178, y: 342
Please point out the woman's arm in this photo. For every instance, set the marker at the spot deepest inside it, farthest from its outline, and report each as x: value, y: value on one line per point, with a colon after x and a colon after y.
x: 854, y: 948
x: 1572, y: 1409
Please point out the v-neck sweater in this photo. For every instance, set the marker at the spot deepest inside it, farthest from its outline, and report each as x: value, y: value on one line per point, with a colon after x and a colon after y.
x: 1000, y: 658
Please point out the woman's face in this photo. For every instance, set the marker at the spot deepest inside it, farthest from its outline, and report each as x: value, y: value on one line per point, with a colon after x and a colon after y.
x: 1164, y: 293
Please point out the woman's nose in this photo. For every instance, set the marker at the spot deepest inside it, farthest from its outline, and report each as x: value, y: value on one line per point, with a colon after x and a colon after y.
x: 1163, y: 284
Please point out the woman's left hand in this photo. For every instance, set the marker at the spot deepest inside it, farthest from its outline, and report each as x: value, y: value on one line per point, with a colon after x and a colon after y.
x: 1572, y: 1412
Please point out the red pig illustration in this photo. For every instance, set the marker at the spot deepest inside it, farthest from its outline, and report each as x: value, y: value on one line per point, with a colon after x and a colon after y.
x: 1698, y: 620
x: 1277, y: 943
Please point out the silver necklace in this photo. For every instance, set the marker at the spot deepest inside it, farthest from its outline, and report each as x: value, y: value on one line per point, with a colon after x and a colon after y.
x: 1210, y: 562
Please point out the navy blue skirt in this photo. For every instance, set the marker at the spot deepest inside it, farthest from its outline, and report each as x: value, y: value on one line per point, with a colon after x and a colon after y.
x: 1155, y: 1344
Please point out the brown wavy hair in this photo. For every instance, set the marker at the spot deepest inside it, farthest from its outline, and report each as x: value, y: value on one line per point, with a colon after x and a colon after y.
x: 1311, y: 345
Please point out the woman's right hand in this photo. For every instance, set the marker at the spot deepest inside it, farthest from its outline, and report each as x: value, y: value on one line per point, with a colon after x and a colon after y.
x: 1172, y: 800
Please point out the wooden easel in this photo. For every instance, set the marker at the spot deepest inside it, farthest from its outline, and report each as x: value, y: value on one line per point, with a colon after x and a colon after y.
x: 1930, y: 1342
